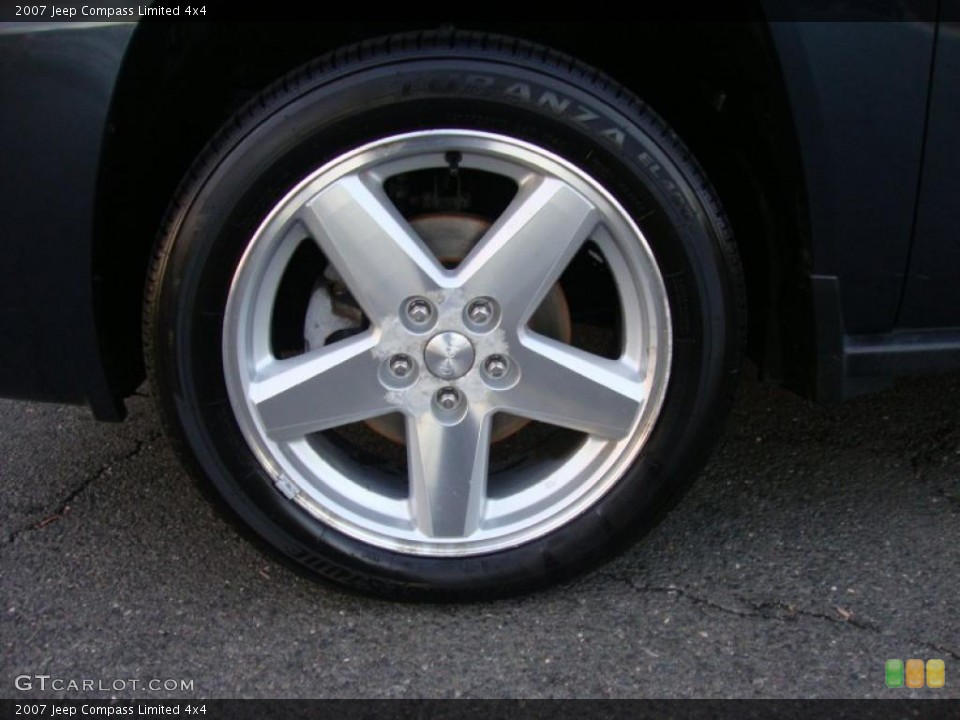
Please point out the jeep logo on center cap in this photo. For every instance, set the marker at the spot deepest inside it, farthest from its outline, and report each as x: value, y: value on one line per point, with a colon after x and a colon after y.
x: 448, y: 355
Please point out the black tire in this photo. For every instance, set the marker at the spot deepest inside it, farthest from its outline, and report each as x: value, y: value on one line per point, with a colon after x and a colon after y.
x: 420, y: 81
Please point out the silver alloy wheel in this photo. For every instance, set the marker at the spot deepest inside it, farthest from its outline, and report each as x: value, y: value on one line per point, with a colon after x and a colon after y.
x: 463, y: 372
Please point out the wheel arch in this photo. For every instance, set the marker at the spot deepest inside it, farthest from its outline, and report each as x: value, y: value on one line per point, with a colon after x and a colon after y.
x: 180, y: 82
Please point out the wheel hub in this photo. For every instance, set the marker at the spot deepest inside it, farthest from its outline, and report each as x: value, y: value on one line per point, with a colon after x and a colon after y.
x: 448, y: 355
x: 450, y: 236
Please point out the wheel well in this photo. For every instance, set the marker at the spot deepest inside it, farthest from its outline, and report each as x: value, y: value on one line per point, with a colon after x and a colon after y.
x: 717, y: 85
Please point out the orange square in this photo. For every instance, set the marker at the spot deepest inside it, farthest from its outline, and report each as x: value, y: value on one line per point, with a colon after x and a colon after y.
x: 914, y: 673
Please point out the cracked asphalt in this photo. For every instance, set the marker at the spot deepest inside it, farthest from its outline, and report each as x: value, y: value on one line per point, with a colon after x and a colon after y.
x: 819, y: 542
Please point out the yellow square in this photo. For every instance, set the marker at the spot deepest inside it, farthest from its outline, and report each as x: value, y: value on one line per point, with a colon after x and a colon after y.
x: 936, y: 671
x: 914, y: 673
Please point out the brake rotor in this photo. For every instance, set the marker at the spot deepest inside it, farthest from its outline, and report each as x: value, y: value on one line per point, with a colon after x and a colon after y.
x: 450, y: 236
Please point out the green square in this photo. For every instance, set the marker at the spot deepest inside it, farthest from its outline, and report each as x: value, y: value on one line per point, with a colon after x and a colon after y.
x: 894, y: 673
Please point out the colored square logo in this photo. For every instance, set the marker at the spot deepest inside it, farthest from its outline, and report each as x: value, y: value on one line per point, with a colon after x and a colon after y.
x: 936, y: 672
x: 914, y: 673
x: 894, y: 673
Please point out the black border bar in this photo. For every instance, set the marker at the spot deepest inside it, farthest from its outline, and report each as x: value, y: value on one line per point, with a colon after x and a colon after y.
x: 99, y: 11
x: 487, y: 709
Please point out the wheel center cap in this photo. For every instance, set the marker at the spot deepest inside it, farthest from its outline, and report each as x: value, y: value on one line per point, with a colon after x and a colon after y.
x: 448, y: 355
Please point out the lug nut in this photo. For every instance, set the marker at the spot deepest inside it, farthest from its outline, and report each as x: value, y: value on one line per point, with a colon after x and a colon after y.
x: 401, y: 365
x: 495, y: 366
x: 448, y: 398
x: 480, y: 311
x: 419, y: 310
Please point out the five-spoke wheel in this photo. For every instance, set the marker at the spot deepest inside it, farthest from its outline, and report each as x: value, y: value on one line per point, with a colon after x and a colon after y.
x: 447, y: 347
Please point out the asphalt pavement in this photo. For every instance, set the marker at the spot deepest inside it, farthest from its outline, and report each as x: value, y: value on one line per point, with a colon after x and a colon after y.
x: 818, y: 543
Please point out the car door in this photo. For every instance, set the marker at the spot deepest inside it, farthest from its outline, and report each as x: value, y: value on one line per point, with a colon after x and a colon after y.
x: 930, y: 297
